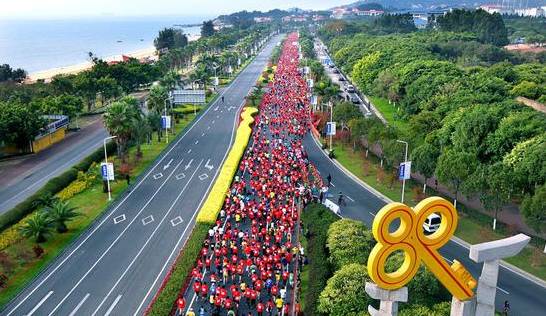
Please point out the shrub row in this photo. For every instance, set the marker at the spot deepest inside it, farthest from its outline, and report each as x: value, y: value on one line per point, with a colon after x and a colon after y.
x: 164, y: 301
x: 316, y: 220
x: 215, y: 200
x: 52, y: 187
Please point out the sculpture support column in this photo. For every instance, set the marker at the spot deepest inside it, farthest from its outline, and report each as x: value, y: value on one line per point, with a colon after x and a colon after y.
x: 388, y: 305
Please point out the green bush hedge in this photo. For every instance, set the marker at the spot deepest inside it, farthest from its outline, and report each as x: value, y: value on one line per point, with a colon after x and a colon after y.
x: 164, y: 301
x: 53, y: 186
x: 316, y: 220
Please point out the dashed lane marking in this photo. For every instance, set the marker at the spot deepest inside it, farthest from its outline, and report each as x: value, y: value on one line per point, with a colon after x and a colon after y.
x: 372, y: 214
x: 350, y: 198
x: 176, y: 221
x: 119, y: 219
x: 147, y: 220
x: 77, y: 308
x: 189, y: 151
x: 40, y: 303
x: 109, y: 311
x: 196, y: 142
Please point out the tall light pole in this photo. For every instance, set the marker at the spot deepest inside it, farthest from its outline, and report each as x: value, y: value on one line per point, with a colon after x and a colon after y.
x: 106, y: 161
x: 331, y: 120
x: 166, y: 131
x: 405, y: 161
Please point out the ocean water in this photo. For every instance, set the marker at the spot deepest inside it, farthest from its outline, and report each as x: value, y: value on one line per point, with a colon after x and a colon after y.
x: 36, y: 45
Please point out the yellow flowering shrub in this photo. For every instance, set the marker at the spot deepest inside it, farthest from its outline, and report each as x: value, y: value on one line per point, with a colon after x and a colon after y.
x: 11, y: 235
x: 84, y: 181
x: 215, y: 200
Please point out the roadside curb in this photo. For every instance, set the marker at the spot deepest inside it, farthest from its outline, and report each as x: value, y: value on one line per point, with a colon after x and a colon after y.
x: 455, y: 239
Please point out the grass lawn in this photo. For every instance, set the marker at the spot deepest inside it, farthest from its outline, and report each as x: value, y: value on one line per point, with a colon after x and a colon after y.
x: 531, y: 259
x: 390, y: 113
x: 23, y: 264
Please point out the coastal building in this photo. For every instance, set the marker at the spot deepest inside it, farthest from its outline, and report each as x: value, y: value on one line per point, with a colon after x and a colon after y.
x: 370, y: 13
x: 263, y: 19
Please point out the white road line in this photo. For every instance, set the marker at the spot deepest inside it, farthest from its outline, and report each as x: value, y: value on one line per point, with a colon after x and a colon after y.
x: 119, y: 219
x: 202, y: 135
x: 111, y: 212
x: 176, y: 221
x: 147, y: 240
x: 79, y: 305
x: 372, y: 214
x: 333, y: 184
x: 191, y: 220
x: 503, y: 291
x: 158, y: 176
x: 208, y: 127
x: 114, y: 242
x: 189, y: 150
x: 196, y: 142
x: 213, y: 121
x: 40, y: 303
x: 112, y: 306
x: 350, y: 198
x: 203, y: 176
x: 147, y: 220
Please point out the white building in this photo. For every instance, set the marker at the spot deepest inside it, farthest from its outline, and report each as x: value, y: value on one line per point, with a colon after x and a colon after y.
x: 532, y: 12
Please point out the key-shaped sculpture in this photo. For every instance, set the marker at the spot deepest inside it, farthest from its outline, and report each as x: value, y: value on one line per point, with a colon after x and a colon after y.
x: 410, y: 238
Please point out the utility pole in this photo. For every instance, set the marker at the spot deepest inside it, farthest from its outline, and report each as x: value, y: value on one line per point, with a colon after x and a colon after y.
x: 106, y: 161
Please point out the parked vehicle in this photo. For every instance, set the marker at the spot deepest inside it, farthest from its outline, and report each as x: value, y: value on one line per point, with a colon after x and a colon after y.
x: 341, y: 78
x: 355, y: 99
x: 350, y: 88
x: 336, y: 71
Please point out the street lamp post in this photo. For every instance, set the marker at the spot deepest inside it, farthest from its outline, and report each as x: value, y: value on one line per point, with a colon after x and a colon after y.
x: 106, y: 161
x: 166, y: 131
x: 405, y: 161
x: 331, y: 120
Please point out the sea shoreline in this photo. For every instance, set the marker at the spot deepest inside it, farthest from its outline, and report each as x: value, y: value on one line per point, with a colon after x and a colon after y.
x: 48, y: 74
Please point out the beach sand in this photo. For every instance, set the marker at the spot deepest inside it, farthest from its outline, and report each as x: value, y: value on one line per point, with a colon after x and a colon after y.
x: 74, y: 69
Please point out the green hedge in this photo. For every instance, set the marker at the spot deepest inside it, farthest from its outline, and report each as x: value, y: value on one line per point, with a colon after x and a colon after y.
x: 165, y: 299
x: 53, y: 186
x: 316, y: 220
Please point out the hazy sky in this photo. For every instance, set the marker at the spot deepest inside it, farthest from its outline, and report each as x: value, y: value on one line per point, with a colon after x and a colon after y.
x: 76, y: 8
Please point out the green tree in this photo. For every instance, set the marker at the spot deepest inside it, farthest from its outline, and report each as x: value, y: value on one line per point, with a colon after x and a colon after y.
x: 349, y: 241
x: 20, y: 124
x: 119, y: 120
x: 528, y: 89
x: 344, y: 293
x: 38, y: 226
x: 60, y: 213
x: 533, y: 209
x: 207, y: 29
x: 424, y: 159
x: 454, y: 167
x: 156, y: 99
x: 170, y: 38
x: 345, y: 112
x: 528, y: 162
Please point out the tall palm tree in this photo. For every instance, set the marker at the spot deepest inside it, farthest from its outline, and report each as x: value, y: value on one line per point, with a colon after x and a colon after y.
x: 38, y: 226
x: 119, y: 121
x: 60, y: 213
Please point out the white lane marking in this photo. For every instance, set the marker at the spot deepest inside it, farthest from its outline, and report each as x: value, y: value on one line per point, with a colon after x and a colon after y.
x: 111, y: 212
x: 372, y: 214
x: 332, y: 184
x: 112, y: 306
x: 216, y: 108
x: 208, y: 127
x: 503, y: 291
x: 147, y: 240
x: 189, y: 150
x: 213, y: 121
x: 196, y: 142
x: 350, y: 198
x: 191, y: 220
x: 203, y: 176
x: 176, y: 221
x: 147, y: 220
x: 165, y: 167
x: 217, y: 116
x: 114, y: 242
x: 158, y: 176
x: 202, y: 135
x: 40, y: 303
x: 119, y: 219
x: 180, y: 176
x: 208, y: 166
x: 186, y: 167
x: 79, y: 305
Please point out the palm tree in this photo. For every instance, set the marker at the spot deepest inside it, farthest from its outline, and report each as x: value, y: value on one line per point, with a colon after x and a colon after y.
x: 38, y: 227
x: 45, y: 199
x: 119, y: 121
x: 60, y: 213
x: 255, y: 95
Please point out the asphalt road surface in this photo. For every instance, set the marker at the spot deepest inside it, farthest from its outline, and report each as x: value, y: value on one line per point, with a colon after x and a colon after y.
x: 46, y: 165
x: 118, y: 264
x: 525, y: 296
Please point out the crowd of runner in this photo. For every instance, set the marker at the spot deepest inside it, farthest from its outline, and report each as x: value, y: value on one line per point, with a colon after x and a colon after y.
x: 248, y: 262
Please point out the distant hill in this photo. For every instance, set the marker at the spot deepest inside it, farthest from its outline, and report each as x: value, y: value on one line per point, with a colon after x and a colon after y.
x: 430, y: 4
